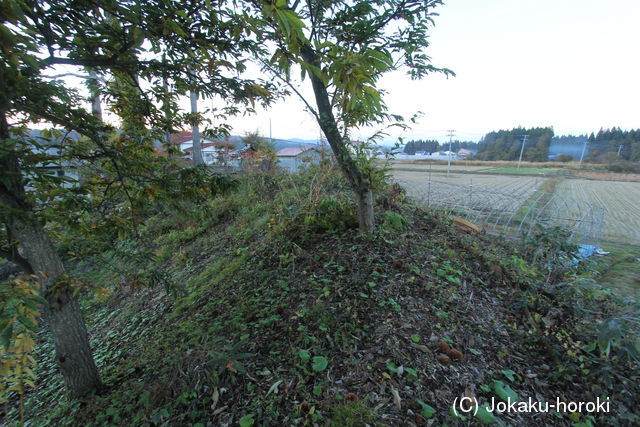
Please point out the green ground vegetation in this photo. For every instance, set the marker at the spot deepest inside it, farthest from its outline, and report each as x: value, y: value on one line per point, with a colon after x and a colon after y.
x: 263, y: 305
x: 522, y: 171
x: 620, y: 270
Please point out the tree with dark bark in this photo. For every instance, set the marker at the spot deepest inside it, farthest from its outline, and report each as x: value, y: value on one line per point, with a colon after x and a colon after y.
x: 345, y: 47
x: 71, y: 342
x: 118, y: 41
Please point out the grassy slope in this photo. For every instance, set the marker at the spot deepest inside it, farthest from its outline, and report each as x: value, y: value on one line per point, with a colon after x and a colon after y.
x: 263, y: 302
x: 620, y: 270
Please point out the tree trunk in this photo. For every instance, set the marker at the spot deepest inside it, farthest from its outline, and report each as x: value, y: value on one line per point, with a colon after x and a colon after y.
x: 70, y: 338
x: 166, y: 106
x: 96, y: 106
x: 13, y: 255
x: 196, y: 147
x: 360, y: 183
x: 365, y: 210
x: 63, y: 315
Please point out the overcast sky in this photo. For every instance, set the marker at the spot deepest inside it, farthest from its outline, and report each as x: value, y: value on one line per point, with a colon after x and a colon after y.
x: 570, y: 64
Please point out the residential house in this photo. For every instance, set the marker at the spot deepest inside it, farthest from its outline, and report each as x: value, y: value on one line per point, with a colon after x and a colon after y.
x: 50, y: 149
x: 221, y: 153
x: 292, y: 159
x: 184, y: 140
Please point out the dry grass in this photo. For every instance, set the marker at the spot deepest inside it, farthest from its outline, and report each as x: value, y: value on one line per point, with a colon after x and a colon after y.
x: 607, y: 176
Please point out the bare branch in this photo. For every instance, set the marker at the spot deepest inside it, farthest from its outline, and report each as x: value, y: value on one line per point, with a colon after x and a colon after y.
x: 293, y: 88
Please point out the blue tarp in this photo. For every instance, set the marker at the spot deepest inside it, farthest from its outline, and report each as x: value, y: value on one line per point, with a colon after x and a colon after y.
x: 585, y: 251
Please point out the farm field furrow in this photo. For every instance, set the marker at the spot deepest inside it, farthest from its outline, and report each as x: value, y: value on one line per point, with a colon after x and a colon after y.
x: 495, y: 182
x: 436, y: 167
x: 620, y: 200
x: 476, y: 191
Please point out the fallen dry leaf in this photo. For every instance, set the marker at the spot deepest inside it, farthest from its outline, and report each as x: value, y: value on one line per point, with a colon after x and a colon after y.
x: 396, y: 398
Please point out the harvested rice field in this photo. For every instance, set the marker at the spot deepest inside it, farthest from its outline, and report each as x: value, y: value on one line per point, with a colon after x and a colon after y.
x: 621, y: 201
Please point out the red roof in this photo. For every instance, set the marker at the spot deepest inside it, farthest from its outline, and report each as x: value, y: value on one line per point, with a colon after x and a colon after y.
x: 182, y: 136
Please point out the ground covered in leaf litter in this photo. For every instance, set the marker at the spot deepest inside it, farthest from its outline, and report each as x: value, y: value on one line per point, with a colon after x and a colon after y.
x: 332, y: 329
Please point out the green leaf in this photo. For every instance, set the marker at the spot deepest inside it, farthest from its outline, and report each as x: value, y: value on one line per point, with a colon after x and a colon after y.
x: 485, y: 416
x: 320, y: 363
x: 320, y: 46
x: 304, y: 355
x: 159, y: 415
x: 411, y: 372
x: 455, y: 414
x: 7, y: 334
x: 427, y: 410
x: 504, y: 392
x: 145, y: 398
x: 453, y: 279
x: 574, y: 416
x: 509, y: 374
x: 246, y: 421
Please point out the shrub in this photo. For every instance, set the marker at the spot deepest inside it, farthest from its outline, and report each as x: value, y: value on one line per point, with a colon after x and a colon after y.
x: 331, y: 214
x: 551, y: 250
x: 624, y: 167
x: 394, y: 222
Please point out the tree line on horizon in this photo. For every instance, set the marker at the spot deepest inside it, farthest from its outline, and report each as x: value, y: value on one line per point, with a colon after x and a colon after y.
x: 506, y: 144
x: 605, y: 146
x: 613, y: 144
x: 432, y: 145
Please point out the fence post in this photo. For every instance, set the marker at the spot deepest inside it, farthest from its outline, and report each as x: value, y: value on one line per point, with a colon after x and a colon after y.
x: 429, y: 188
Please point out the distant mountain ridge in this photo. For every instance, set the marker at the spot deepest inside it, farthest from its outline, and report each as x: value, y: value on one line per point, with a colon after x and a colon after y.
x: 277, y: 142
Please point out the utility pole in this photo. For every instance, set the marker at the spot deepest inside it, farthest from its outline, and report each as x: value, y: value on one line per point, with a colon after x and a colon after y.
x: 92, y: 82
x: 524, y: 141
x: 620, y: 149
x: 196, y: 147
x: 584, y: 148
x: 452, y: 132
